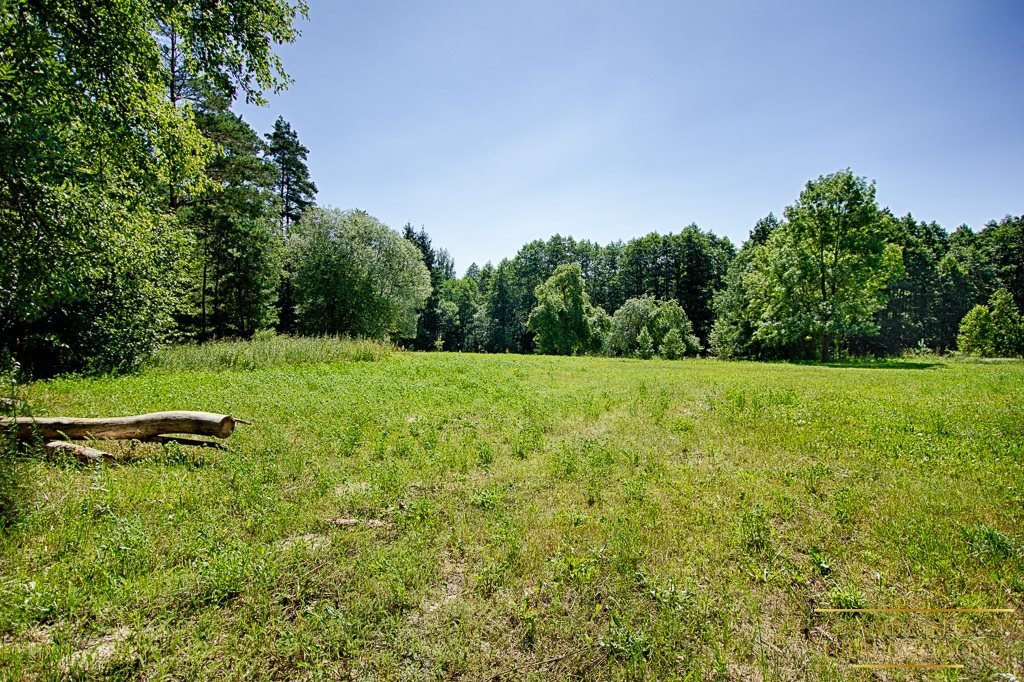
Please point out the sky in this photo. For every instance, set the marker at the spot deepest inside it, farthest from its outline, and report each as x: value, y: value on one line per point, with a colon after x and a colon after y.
x: 492, y: 124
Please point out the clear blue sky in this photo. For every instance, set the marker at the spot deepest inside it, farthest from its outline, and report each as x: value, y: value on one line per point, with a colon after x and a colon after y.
x: 495, y: 123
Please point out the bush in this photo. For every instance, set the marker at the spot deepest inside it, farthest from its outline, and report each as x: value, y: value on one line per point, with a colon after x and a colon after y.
x: 977, y: 333
x: 672, y: 347
x: 657, y: 318
x: 644, y: 344
x: 993, y: 330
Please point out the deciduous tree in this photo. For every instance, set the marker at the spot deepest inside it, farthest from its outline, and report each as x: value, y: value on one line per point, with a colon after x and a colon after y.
x: 356, y: 276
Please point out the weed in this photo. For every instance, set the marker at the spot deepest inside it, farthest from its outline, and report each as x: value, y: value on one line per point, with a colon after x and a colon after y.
x: 846, y: 597
x: 988, y: 544
x: 633, y: 646
x: 755, y: 530
x: 821, y: 563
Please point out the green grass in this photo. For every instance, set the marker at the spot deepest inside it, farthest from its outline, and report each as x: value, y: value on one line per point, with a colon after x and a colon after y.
x: 265, y: 350
x: 527, y: 517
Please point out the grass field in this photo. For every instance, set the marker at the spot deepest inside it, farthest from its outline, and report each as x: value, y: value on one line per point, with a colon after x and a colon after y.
x: 395, y: 515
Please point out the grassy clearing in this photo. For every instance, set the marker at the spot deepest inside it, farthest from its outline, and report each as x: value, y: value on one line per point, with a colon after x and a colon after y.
x: 445, y: 516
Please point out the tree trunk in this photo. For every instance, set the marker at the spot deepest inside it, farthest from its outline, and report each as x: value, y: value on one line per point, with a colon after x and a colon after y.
x: 124, y: 428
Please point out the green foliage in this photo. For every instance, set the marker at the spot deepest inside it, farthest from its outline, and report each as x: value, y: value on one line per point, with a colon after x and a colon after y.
x: 295, y: 190
x: 461, y: 315
x: 821, y: 277
x: 93, y: 155
x: 1003, y: 246
x: 688, y: 267
x: 977, y: 333
x: 442, y: 270
x: 993, y: 330
x: 846, y: 597
x: 561, y: 320
x: 644, y: 344
x: 672, y: 346
x: 238, y: 258
x: 266, y: 349
x: 356, y: 276
x: 735, y: 323
x: 1009, y: 326
x: 913, y: 313
x: 657, y: 318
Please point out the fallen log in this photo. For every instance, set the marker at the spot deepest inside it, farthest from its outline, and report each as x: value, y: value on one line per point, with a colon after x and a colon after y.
x: 138, y: 427
x: 82, y: 453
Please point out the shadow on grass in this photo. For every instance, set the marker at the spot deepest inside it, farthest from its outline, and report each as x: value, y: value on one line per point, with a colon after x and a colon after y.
x: 882, y: 364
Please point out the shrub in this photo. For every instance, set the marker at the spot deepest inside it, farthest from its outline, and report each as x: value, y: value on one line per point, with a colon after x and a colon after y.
x: 977, y: 333
x: 672, y: 347
x: 644, y: 344
x: 657, y: 318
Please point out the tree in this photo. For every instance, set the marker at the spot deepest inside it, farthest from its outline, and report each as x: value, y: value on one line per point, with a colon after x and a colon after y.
x: 1003, y: 243
x: 234, y: 224
x: 356, y: 276
x: 821, y: 277
x: 93, y: 156
x: 295, y: 189
x: 502, y: 312
x: 688, y: 267
x: 442, y: 268
x: 977, y: 333
x: 561, y: 320
x: 732, y: 335
x: 656, y: 318
x: 459, y: 305
x: 1009, y: 328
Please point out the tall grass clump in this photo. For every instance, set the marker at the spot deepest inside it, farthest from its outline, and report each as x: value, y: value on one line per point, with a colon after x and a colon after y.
x: 267, y: 349
x: 10, y: 486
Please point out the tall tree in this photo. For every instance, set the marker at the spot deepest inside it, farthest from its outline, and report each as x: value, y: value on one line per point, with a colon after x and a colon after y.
x: 821, y: 277
x: 561, y: 318
x: 1003, y: 243
x: 91, y: 143
x: 295, y: 190
x: 356, y: 276
x: 234, y: 222
x: 442, y: 268
x: 732, y: 335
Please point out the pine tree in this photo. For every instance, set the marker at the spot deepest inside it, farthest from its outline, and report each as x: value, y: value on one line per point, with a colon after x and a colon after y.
x: 295, y: 189
x: 238, y: 256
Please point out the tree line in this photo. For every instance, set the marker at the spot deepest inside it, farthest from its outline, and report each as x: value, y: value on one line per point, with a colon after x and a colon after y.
x: 835, y: 276
x: 139, y: 209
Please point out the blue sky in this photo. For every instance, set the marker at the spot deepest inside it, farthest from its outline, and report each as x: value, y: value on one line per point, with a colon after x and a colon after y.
x: 495, y: 123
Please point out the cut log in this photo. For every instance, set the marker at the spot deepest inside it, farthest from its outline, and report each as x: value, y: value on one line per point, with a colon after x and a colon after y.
x: 82, y: 453
x: 139, y: 427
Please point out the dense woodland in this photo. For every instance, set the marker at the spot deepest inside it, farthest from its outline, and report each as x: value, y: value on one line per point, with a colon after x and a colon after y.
x: 138, y: 209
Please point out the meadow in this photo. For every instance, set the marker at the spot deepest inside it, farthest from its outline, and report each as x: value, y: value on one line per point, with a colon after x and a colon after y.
x: 396, y: 515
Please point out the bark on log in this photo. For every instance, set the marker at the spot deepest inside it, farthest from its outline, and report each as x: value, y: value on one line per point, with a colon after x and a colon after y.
x: 82, y: 453
x: 139, y: 427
